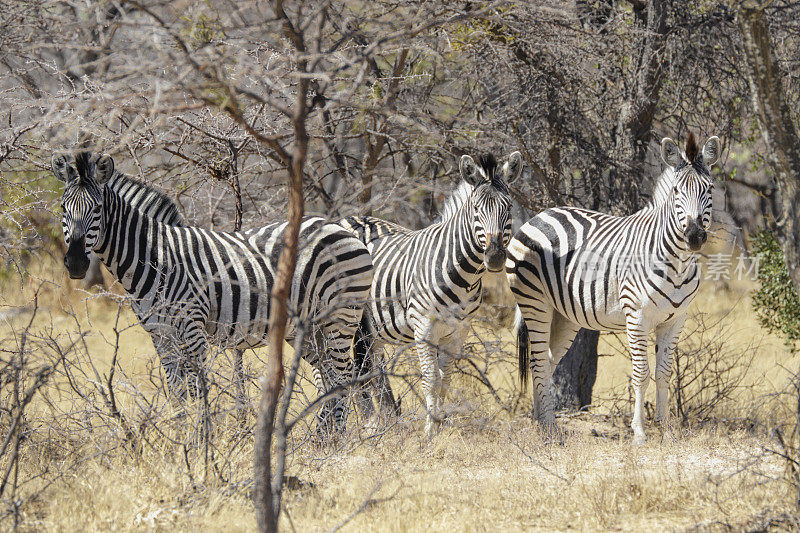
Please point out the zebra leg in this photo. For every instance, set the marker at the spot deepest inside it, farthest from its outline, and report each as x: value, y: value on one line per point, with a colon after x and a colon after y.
x: 637, y: 343
x: 387, y: 406
x: 183, y: 358
x: 239, y: 385
x: 431, y: 379
x: 338, y: 368
x: 314, y: 350
x: 666, y: 337
x: 364, y: 360
x: 562, y: 334
x: 447, y: 356
x: 538, y: 321
x: 182, y: 363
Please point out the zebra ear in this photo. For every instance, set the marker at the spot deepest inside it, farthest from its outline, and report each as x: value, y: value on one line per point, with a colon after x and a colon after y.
x: 513, y: 167
x: 104, y: 168
x: 670, y: 152
x: 469, y: 171
x: 60, y: 167
x: 711, y: 151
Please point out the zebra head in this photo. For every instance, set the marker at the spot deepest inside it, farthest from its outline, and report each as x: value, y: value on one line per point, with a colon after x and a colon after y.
x: 692, y: 186
x: 81, y: 204
x: 491, y: 204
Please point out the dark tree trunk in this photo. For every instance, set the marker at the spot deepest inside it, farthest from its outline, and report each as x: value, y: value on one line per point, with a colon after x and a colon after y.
x: 778, y: 130
x: 575, y: 375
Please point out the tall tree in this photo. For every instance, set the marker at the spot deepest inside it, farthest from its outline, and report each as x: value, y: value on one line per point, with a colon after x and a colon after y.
x: 777, y: 128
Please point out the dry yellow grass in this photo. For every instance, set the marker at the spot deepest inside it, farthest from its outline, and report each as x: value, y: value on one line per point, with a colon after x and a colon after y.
x: 488, y: 469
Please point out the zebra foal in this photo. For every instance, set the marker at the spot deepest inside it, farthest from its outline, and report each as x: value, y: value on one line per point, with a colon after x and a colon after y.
x: 570, y: 268
x: 428, y: 282
x: 190, y: 285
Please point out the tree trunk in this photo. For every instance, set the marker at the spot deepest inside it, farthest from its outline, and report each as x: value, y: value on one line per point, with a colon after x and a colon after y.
x: 575, y: 375
x: 780, y: 136
x: 268, y: 490
x: 267, y: 493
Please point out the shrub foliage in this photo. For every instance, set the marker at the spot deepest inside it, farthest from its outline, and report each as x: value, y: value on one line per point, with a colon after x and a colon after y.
x: 775, y: 302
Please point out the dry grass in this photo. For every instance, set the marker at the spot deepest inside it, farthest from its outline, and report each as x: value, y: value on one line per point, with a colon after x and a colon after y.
x: 488, y: 469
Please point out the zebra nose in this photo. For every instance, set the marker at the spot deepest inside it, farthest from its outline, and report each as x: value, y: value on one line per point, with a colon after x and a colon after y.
x: 75, y: 260
x: 494, y: 256
x: 695, y: 235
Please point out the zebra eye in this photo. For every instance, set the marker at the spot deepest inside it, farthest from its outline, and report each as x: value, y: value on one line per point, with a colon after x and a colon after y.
x: 96, y: 209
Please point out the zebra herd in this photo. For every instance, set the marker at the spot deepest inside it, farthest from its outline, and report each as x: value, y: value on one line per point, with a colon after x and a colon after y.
x: 364, y: 283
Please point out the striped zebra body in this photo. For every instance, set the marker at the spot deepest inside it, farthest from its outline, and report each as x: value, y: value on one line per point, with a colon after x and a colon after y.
x: 192, y: 286
x: 570, y: 268
x: 428, y: 282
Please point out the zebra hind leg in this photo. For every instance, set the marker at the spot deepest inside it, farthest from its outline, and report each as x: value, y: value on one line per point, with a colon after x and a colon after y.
x: 335, y: 374
x: 666, y: 338
x: 539, y: 326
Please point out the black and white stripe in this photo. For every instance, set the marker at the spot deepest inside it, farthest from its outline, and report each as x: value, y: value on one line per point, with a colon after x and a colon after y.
x: 191, y: 286
x: 428, y: 282
x: 570, y: 268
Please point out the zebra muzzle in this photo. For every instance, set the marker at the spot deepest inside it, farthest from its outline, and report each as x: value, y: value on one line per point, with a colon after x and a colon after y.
x: 76, y: 260
x: 694, y: 235
x: 494, y: 256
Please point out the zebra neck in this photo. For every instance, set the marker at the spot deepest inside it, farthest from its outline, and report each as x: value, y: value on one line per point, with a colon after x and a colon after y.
x: 466, y: 253
x: 127, y: 246
x: 669, y: 247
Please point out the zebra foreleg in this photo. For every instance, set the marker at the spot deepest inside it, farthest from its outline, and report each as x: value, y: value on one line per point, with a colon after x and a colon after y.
x: 637, y: 342
x: 447, y: 356
x: 183, y: 359
x: 242, y: 401
x: 431, y: 378
x: 666, y: 338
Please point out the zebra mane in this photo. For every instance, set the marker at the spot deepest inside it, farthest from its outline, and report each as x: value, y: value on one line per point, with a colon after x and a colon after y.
x: 692, y: 150
x: 146, y: 199
x: 488, y: 163
x: 662, y: 189
x: 84, y: 166
x: 457, y: 198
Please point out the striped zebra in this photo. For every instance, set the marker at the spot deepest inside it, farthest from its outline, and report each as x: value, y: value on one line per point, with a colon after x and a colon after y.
x: 570, y: 268
x: 191, y: 286
x: 428, y: 282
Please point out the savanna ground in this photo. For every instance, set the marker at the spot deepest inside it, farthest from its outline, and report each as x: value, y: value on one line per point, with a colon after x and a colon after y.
x: 488, y: 469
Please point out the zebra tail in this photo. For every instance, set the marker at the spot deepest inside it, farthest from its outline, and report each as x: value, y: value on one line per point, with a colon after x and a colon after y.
x: 523, y: 348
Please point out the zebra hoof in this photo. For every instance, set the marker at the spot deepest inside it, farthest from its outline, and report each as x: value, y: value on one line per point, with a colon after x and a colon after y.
x: 551, y: 433
x: 640, y: 440
x: 432, y: 427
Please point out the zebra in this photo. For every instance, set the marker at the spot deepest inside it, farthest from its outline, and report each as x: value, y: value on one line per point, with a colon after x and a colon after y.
x: 190, y: 285
x: 428, y: 282
x: 570, y: 268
